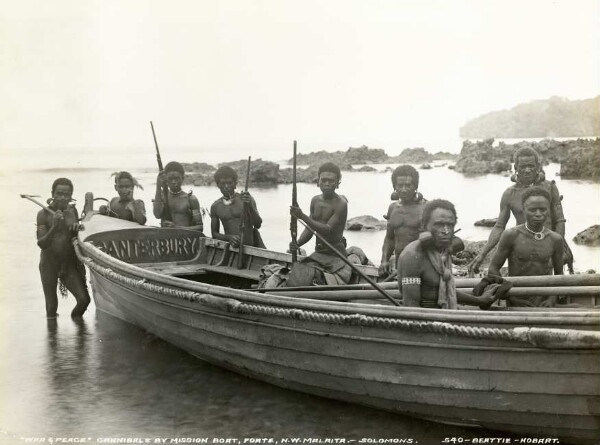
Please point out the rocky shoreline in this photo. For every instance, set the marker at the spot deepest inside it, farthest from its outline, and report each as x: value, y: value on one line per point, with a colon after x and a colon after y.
x: 579, y: 159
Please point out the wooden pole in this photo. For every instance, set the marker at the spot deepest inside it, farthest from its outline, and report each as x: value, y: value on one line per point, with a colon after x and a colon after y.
x: 354, y: 268
x: 240, y: 262
x: 294, y: 220
x: 369, y: 294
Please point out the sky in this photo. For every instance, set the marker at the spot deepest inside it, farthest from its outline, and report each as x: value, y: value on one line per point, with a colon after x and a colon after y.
x: 238, y: 73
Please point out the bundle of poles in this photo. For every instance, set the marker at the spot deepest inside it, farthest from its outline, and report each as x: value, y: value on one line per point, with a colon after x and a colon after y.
x: 561, y: 285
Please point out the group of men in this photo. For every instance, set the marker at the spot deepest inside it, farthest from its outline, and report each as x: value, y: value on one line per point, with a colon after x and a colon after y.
x: 420, y: 233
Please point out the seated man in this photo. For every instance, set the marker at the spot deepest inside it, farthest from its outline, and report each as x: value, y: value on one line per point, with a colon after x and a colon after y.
x: 531, y: 248
x: 230, y: 209
x: 183, y: 208
x: 124, y: 206
x: 58, y: 259
x: 425, y: 265
x: 328, y: 214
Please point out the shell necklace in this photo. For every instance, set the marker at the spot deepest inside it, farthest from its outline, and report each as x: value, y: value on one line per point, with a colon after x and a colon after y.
x: 538, y: 236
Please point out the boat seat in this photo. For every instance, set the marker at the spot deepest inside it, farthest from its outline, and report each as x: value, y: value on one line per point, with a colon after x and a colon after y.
x: 174, y: 269
x: 228, y: 270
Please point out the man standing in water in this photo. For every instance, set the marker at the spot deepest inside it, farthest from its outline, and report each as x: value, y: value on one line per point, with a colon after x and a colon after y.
x: 58, y: 259
x: 124, y: 206
x: 425, y: 265
x: 328, y: 214
x: 531, y: 248
x: 184, y: 207
x: 528, y: 168
x: 229, y: 210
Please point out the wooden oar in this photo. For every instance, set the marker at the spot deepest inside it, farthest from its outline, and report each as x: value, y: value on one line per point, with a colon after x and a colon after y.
x: 30, y: 197
x: 240, y: 259
x: 354, y: 268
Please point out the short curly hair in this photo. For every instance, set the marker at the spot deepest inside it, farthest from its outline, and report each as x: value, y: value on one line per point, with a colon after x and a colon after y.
x: 331, y: 168
x: 225, y: 172
x: 535, y: 191
x: 174, y: 166
x: 62, y: 181
x: 436, y: 204
x: 406, y: 170
x: 525, y: 151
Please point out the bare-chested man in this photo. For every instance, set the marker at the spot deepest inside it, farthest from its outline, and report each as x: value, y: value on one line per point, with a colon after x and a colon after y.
x: 184, y: 207
x: 404, y: 217
x: 528, y: 168
x: 531, y: 248
x: 328, y: 214
x: 425, y: 265
x: 124, y: 206
x: 229, y: 209
x: 58, y: 259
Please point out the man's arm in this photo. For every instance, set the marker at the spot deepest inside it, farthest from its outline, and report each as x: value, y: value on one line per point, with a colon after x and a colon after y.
x: 45, y: 234
x: 340, y: 214
x: 255, y: 218
x: 197, y: 223
x: 158, y: 206
x: 389, y: 243
x: 138, y: 210
x: 409, y: 277
x: 497, y: 230
x: 504, y: 248
x: 557, y: 255
x: 558, y: 217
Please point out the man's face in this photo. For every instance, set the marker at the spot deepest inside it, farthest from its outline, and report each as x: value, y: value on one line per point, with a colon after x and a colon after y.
x: 124, y: 188
x: 405, y: 188
x: 441, y: 225
x: 62, y: 196
x: 328, y: 182
x: 527, y: 169
x: 174, y: 181
x: 536, y: 210
x: 227, y: 186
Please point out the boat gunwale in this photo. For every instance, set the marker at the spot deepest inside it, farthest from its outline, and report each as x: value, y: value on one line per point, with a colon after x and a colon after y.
x: 552, y: 316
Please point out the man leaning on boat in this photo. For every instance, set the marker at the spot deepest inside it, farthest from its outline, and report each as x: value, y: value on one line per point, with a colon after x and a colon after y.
x: 425, y: 265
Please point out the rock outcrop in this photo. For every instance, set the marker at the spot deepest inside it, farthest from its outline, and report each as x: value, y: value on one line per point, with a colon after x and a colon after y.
x: 486, y: 222
x: 412, y: 156
x: 365, y: 222
x: 583, y: 162
x: 589, y: 236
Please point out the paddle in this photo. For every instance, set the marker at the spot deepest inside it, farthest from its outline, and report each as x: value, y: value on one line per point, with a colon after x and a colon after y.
x: 167, y: 210
x: 294, y: 220
x: 354, y: 268
x: 240, y: 262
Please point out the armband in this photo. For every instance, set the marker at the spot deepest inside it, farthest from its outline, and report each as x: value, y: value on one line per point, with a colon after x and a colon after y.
x: 411, y: 280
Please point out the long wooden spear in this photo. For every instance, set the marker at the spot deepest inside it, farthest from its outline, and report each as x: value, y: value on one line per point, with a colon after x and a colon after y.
x: 165, y: 188
x: 240, y: 262
x: 354, y: 268
x: 294, y: 220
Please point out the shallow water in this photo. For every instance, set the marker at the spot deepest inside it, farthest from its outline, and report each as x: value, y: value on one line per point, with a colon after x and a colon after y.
x: 102, y: 378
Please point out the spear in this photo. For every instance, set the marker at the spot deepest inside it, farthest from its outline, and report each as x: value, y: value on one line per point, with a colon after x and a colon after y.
x: 167, y: 210
x: 240, y: 263
x: 294, y: 220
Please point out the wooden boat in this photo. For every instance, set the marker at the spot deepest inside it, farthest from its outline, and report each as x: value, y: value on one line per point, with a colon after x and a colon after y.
x: 522, y: 372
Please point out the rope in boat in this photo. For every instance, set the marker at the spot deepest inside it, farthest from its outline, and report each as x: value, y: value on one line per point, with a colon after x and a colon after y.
x: 539, y: 337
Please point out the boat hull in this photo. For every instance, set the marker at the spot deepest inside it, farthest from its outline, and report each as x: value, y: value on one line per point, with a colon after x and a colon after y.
x: 449, y: 366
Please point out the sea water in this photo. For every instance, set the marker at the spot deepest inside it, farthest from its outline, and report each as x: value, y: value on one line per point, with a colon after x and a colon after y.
x: 101, y: 378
